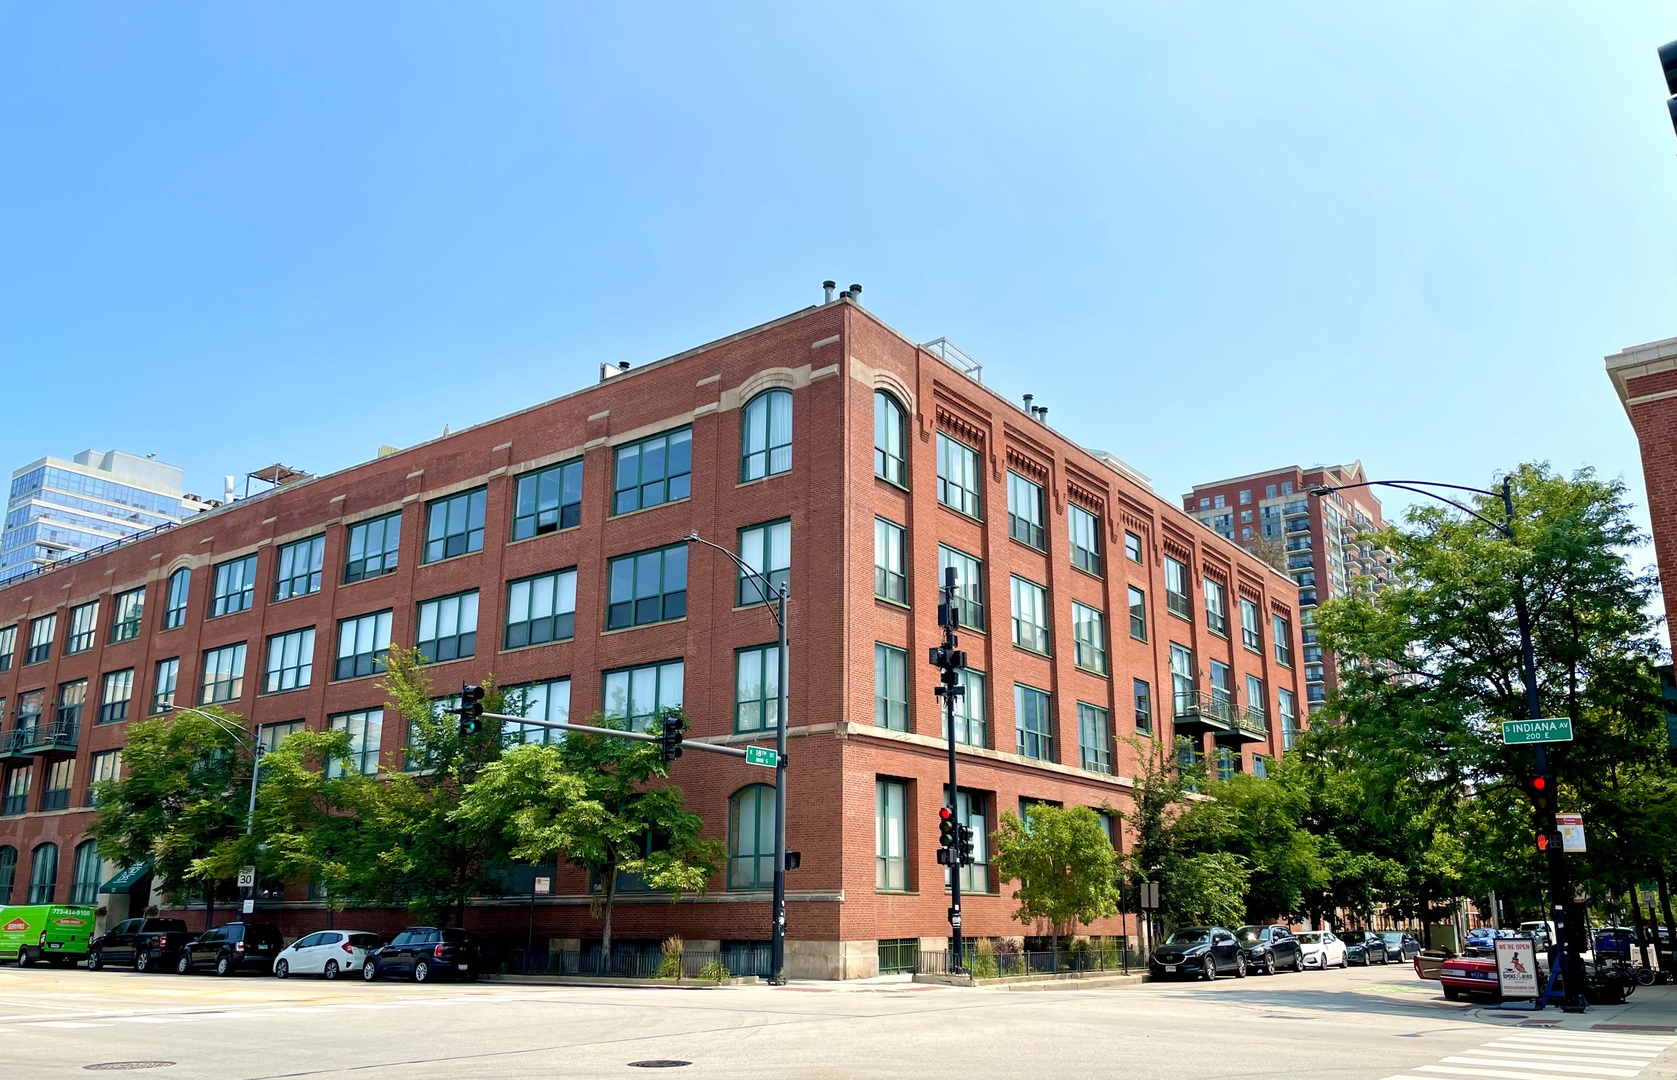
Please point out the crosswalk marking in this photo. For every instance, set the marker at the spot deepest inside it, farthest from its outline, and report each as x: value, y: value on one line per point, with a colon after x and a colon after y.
x: 1549, y: 1054
x: 1446, y: 1070
x: 64, y: 1025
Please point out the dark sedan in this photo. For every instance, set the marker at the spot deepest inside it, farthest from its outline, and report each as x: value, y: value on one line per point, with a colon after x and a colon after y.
x: 1270, y: 949
x: 1198, y: 952
x: 1400, y: 946
x: 1364, y: 947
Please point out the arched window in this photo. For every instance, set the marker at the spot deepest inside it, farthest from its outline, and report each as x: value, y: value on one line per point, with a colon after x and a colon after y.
x: 43, y: 880
x: 890, y: 425
x: 85, y: 888
x: 751, y: 838
x: 766, y: 435
x: 174, y: 611
x: 8, y: 871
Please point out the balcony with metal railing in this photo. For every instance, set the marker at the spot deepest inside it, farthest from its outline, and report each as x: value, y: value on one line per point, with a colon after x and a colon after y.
x: 50, y: 738
x: 1246, y: 725
x: 1197, y: 711
x: 1296, y: 509
x: 11, y: 746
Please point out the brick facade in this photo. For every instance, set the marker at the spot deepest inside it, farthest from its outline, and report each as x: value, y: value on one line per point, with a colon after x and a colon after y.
x: 832, y: 359
x: 1645, y: 377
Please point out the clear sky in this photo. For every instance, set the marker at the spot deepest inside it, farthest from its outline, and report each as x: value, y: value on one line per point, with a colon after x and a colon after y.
x: 1211, y: 237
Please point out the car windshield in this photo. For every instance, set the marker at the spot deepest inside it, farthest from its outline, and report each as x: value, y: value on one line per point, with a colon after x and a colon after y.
x: 1191, y: 936
x: 1309, y: 938
x: 1392, y: 939
x: 1250, y: 935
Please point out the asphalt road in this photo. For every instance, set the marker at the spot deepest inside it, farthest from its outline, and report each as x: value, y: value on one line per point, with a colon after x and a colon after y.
x: 1362, y: 1024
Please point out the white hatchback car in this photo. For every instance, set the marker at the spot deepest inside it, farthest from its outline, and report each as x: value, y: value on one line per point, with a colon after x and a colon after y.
x: 327, y: 953
x: 1322, y: 949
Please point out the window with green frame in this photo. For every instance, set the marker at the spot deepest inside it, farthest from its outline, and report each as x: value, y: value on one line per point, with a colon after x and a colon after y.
x: 8, y: 871
x: 890, y: 835
x: 174, y: 606
x: 1143, y: 707
x: 890, y: 561
x: 969, y: 584
x: 636, y: 694
x: 1088, y: 630
x: 1176, y: 587
x: 8, y: 646
x: 972, y: 809
x: 751, y: 838
x: 41, y: 633
x: 1033, y: 722
x: 366, y: 732
x: 547, y: 500
x: 1228, y: 763
x: 1030, y: 615
x: 550, y: 700
x: 766, y: 435
x: 223, y: 674
x: 363, y: 642
x: 541, y: 609
x: 127, y: 612
x: 647, y: 587
x: 297, y: 568
x: 1132, y: 547
x: 235, y: 586
x: 890, y: 687
x: 84, y: 628
x: 1024, y: 511
x: 958, y: 477
x: 454, y: 525
x: 765, y: 549
x: 890, y: 427
x: 1085, y: 539
x: 653, y: 471
x: 1094, y: 737
x: 1138, y: 614
x: 372, y: 548
x: 972, y: 726
x: 757, y: 688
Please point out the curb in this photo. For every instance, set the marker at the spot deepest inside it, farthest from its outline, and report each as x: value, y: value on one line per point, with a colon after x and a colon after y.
x: 618, y: 984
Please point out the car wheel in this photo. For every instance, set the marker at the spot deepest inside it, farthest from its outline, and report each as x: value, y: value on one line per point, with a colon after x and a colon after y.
x: 223, y: 965
x: 369, y: 971
x: 1210, y: 971
x: 23, y: 960
x: 183, y: 964
x: 282, y: 970
x: 142, y: 961
x: 1240, y: 967
x: 95, y: 961
x: 1269, y: 965
x: 1452, y: 994
x: 331, y: 971
x: 422, y: 971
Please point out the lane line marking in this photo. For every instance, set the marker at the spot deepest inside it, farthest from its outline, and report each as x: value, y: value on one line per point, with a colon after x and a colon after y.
x: 1542, y: 1066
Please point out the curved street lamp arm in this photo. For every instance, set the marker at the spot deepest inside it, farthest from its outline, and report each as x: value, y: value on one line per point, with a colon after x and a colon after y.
x: 758, y: 581
x: 226, y: 725
x: 1418, y: 487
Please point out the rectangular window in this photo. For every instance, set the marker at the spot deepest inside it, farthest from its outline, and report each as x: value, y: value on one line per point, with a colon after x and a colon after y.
x: 969, y: 584
x: 648, y: 587
x: 366, y: 732
x: 448, y: 627
x: 1288, y: 711
x: 1088, y: 631
x: 541, y: 609
x: 1250, y: 635
x: 1216, y: 608
x: 890, y: 687
x: 71, y: 697
x: 1033, y: 723
x: 235, y: 587
x: 1094, y: 737
x: 890, y: 561
x: 269, y: 736
x: 1085, y: 539
x: 60, y: 775
x: 17, y: 790
x: 362, y: 644
x: 1024, y: 511
x: 1030, y: 615
x: 971, y: 808
x: 757, y: 688
x: 1132, y: 547
x: 224, y: 674
x: 549, y: 700
x: 1176, y: 587
x: 1269, y: 491
x: 1222, y: 690
x: 1183, y: 685
x: 1228, y: 763
x: 636, y: 694
x: 454, y: 525
x: 174, y: 605
x: 1287, y: 488
x: 29, y: 708
x: 957, y: 476
x: 104, y: 765
x: 84, y: 628
x: 1246, y: 518
x: 163, y: 685
x: 126, y: 613
x: 1245, y: 498
x: 1260, y: 766
x: 1283, y: 634
x: 971, y: 710
x: 1256, y: 701
x: 766, y: 550
x: 891, y: 836
x: 1218, y: 502
x: 41, y: 633
x: 547, y: 500
x: 653, y: 471
x: 298, y: 567
x: 372, y: 548
x: 290, y: 661
x: 114, y: 696
x: 1143, y: 707
x: 8, y: 646
x: 1138, y: 614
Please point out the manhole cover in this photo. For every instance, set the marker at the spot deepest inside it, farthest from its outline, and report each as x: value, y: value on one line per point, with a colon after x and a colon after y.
x: 658, y: 1063
x: 125, y: 1066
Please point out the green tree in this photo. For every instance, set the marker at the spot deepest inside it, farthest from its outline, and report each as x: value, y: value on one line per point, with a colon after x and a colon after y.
x: 1064, y: 863
x: 591, y: 800
x: 1257, y: 820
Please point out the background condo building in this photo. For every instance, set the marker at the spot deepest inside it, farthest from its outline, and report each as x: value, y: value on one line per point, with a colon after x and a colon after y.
x: 546, y: 547
x: 1313, y: 540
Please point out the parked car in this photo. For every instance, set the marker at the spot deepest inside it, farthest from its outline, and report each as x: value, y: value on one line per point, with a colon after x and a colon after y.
x: 1400, y: 946
x: 145, y: 943
x: 1364, y: 947
x: 1473, y: 972
x: 1541, y: 929
x: 1270, y: 949
x: 1198, y: 952
x: 422, y: 953
x: 1321, y: 949
x: 56, y: 933
x: 328, y: 953
x: 228, y: 948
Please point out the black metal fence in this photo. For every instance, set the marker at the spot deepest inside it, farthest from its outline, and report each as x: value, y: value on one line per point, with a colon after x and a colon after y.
x: 636, y: 963
x: 1106, y: 958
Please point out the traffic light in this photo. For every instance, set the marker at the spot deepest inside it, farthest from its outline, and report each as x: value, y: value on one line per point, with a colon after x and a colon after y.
x: 1549, y: 841
x: 1668, y: 61
x: 671, y: 739
x: 470, y: 710
x: 1541, y: 788
x: 963, y: 845
x: 946, y: 836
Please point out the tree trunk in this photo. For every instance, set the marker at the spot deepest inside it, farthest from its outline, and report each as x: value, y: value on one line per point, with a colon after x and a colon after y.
x: 605, y: 937
x: 1639, y: 922
x: 1665, y: 904
x: 209, y: 905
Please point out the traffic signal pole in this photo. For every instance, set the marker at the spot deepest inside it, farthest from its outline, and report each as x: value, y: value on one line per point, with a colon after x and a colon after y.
x: 949, y: 660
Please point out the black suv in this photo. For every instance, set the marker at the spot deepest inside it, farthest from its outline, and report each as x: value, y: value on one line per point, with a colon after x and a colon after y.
x: 228, y: 948
x: 423, y: 953
x: 1271, y: 948
x: 145, y: 943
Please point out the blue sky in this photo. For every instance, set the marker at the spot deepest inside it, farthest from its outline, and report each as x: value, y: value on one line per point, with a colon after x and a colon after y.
x: 1211, y: 237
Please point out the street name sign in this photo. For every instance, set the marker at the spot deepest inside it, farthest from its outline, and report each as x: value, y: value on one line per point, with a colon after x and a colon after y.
x: 760, y: 755
x: 1550, y: 729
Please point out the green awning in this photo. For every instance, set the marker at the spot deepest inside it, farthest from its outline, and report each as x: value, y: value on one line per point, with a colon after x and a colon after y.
x: 125, y: 881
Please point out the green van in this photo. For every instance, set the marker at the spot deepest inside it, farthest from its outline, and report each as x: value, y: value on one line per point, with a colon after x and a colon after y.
x: 57, y: 933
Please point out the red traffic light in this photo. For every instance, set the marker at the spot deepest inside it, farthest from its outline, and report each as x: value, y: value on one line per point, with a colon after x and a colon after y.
x: 1539, y: 783
x: 945, y: 813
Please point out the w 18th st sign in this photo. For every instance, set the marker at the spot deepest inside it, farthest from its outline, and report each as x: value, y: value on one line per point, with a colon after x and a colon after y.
x: 1552, y: 729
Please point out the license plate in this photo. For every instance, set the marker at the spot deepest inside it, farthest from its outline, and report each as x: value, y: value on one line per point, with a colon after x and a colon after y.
x: 1170, y: 967
x: 56, y: 945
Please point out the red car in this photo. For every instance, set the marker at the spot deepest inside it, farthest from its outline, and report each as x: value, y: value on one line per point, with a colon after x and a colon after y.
x: 1472, y: 973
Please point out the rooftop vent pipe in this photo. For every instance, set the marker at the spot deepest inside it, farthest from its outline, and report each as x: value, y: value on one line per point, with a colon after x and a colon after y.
x: 1028, y: 406
x: 855, y: 292
x: 828, y: 287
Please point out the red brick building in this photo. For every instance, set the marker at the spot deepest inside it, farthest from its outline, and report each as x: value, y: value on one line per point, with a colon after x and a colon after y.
x: 1318, y: 538
x: 825, y: 446
x: 1645, y: 377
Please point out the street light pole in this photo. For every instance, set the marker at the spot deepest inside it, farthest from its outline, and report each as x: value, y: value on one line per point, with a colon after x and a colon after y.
x: 255, y: 771
x: 778, y: 595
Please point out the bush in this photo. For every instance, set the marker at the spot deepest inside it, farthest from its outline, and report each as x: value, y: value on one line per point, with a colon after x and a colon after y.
x: 669, y: 967
x: 984, y: 964
x: 715, y: 972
